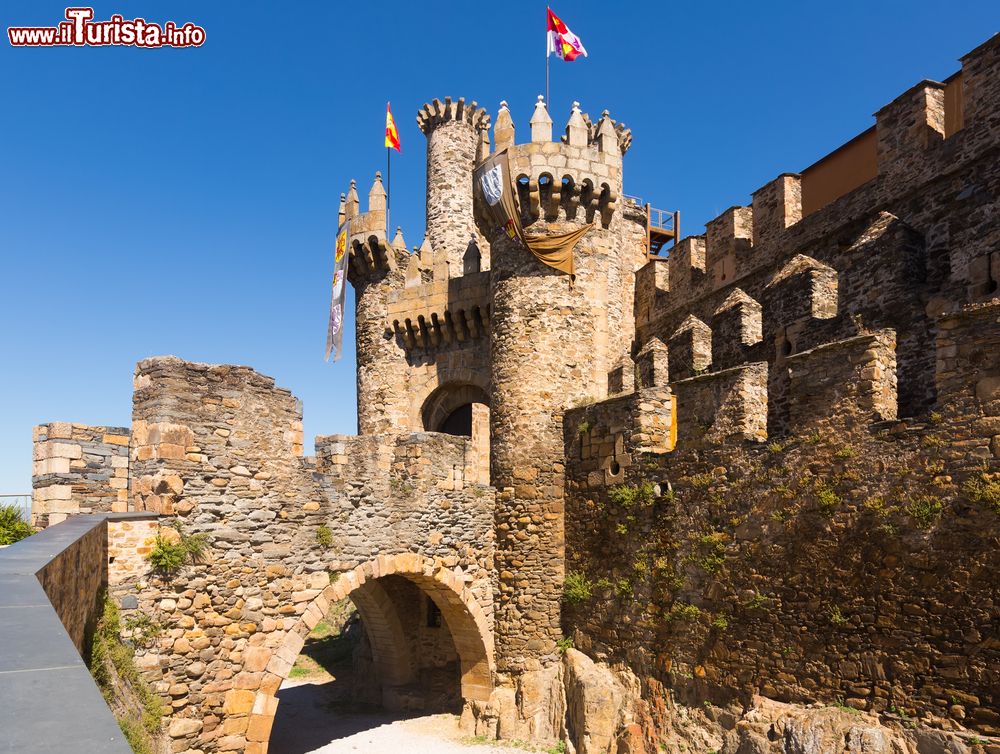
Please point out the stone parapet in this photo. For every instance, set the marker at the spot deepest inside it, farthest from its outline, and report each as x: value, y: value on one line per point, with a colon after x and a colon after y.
x: 727, y: 405
x: 602, y: 440
x: 848, y: 383
x: 441, y: 312
x: 78, y: 469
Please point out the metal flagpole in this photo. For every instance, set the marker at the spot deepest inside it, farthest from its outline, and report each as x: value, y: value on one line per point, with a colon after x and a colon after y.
x: 548, y: 53
x: 547, y: 104
x: 388, y: 188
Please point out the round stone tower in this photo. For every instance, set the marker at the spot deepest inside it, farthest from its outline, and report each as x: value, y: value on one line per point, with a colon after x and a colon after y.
x: 553, y: 342
x: 457, y: 138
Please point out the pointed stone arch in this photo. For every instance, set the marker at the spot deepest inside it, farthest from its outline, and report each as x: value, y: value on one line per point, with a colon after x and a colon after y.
x: 468, y: 623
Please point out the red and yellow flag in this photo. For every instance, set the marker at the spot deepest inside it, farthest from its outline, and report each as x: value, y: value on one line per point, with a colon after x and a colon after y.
x: 562, y: 41
x: 391, y: 134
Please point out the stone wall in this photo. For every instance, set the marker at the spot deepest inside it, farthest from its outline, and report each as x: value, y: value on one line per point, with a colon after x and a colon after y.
x: 78, y: 469
x: 217, y: 451
x: 129, y: 543
x: 73, y: 581
x: 52, y: 589
x: 848, y: 562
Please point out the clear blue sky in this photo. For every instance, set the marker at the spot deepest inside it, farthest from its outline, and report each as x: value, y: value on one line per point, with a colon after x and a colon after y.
x: 185, y: 201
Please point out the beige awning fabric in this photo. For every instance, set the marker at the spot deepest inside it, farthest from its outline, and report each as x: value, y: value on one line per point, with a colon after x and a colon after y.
x: 494, y: 188
x: 557, y: 250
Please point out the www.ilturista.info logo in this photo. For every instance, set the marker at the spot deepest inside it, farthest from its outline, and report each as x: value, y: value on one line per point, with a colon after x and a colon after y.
x: 79, y: 30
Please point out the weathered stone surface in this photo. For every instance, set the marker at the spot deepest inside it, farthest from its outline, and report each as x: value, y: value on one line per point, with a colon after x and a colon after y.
x: 594, y: 700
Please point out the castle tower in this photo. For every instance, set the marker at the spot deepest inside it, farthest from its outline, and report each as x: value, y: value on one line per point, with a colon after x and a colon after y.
x: 553, y: 341
x: 456, y: 140
x: 423, y: 318
x: 376, y: 269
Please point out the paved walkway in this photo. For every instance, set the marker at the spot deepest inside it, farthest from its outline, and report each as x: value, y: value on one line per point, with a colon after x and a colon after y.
x: 306, y: 724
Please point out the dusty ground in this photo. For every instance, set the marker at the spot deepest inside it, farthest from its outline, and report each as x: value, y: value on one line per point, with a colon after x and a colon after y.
x: 317, y: 711
x: 306, y: 724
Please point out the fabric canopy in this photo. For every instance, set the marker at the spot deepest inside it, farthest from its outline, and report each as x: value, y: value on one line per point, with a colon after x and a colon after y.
x: 493, y: 185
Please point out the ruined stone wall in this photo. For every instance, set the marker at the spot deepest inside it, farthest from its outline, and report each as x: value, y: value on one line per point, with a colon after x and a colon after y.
x: 217, y: 450
x: 78, y: 469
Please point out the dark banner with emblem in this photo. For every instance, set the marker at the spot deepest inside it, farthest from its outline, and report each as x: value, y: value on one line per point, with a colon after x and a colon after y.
x: 495, y: 189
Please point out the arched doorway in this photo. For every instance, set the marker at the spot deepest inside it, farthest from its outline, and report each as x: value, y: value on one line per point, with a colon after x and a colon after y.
x: 428, y: 643
x: 462, y: 409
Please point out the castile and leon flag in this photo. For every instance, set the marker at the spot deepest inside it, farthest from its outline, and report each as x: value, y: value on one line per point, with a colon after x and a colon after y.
x: 564, y: 43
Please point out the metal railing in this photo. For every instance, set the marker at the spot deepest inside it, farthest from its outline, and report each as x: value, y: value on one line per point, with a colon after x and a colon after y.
x: 21, y: 502
x: 662, y: 218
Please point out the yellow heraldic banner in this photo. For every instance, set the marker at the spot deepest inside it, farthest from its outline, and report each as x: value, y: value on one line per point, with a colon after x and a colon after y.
x: 493, y: 184
x: 335, y: 328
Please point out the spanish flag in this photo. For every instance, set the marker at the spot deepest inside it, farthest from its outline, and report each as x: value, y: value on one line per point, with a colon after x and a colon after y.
x: 562, y: 41
x: 391, y: 134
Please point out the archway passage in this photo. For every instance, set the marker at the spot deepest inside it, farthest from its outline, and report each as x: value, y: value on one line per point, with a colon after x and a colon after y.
x: 422, y: 645
x: 462, y: 409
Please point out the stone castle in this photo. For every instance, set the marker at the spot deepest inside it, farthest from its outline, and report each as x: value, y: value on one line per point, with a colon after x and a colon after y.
x: 740, y: 493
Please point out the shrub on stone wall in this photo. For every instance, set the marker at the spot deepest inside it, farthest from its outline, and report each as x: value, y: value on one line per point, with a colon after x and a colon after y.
x: 112, y: 664
x: 577, y: 588
x: 172, y: 549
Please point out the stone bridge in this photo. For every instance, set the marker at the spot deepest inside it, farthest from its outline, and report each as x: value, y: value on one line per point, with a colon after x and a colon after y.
x: 397, y: 523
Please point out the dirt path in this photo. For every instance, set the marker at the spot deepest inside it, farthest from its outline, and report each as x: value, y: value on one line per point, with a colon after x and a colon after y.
x: 306, y: 725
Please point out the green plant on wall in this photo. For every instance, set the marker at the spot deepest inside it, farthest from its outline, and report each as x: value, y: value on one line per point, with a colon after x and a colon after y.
x: 826, y: 497
x: 577, y: 588
x: 169, y: 553
x: 112, y: 664
x: 984, y: 490
x: 925, y: 511
x: 324, y: 537
x: 837, y: 617
x: 630, y: 496
x: 684, y: 611
x: 711, y: 552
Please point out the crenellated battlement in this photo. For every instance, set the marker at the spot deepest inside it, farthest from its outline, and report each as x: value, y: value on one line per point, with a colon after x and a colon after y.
x: 838, y: 266
x: 925, y: 132
x: 440, y: 312
x: 577, y: 178
x: 436, y: 113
